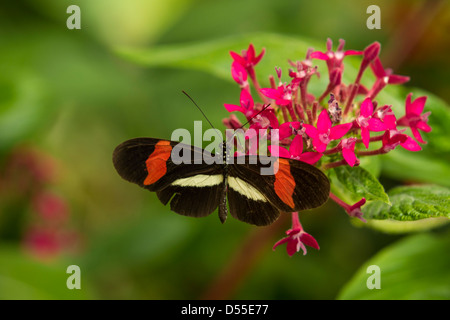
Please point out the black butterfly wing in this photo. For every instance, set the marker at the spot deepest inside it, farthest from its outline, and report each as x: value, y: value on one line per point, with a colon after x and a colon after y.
x: 149, y: 163
x: 258, y: 199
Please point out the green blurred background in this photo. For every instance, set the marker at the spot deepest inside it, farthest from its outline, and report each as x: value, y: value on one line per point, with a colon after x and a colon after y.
x: 67, y: 98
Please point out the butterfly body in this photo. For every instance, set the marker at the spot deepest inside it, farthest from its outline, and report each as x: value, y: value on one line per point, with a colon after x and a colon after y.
x: 203, y: 182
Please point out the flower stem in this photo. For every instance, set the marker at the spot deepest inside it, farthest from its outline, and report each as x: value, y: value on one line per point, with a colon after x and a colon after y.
x: 332, y: 150
x: 251, y: 73
x: 291, y: 112
x: 339, y: 201
x: 372, y: 152
x: 334, y: 164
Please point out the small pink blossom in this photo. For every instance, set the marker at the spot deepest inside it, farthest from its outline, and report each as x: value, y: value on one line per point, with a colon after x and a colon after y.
x: 368, y: 123
x: 414, y: 118
x: 50, y: 206
x: 239, y: 74
x: 334, y: 59
x: 282, y: 95
x: 297, y: 238
x: 393, y: 138
x: 296, y: 152
x: 348, y: 150
x: 325, y: 133
x: 246, y: 105
x: 248, y: 59
x: 265, y: 119
x: 384, y: 77
x: 386, y: 115
x: 355, y: 210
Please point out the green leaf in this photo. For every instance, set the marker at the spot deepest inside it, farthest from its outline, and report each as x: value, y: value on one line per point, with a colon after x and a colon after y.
x: 401, y: 227
x: 420, y: 167
x: 415, y: 268
x: 432, y: 164
x: 411, y: 203
x: 24, y: 277
x: 360, y: 182
x: 23, y: 106
x: 213, y: 56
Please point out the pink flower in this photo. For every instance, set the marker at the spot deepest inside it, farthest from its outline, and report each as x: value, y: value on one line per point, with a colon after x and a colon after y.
x: 414, y: 117
x: 282, y: 95
x: 248, y: 59
x: 297, y: 238
x: 368, y: 123
x: 288, y: 129
x: 265, y: 119
x: 352, y: 210
x: 334, y: 58
x: 324, y: 133
x: 42, y: 242
x: 393, y: 138
x: 296, y: 152
x: 384, y: 77
x: 386, y: 115
x: 239, y: 74
x: 355, y: 210
x: 50, y: 206
x: 348, y: 150
x: 246, y: 105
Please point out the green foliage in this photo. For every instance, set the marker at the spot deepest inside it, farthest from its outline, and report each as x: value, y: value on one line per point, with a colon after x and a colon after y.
x: 360, y: 182
x: 24, y: 277
x: 412, y: 203
x: 414, y: 268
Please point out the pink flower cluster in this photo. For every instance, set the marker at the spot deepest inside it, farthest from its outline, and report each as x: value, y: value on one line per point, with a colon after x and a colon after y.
x: 28, y: 176
x: 318, y: 132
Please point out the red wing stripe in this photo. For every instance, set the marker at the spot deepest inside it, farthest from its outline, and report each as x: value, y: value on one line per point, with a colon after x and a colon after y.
x: 156, y: 162
x: 284, y: 182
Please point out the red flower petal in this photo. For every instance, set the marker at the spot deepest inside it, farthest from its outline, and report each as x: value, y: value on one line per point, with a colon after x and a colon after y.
x: 319, y: 145
x: 238, y: 72
x: 416, y: 107
x: 233, y: 107
x: 411, y: 145
x: 423, y: 126
x: 296, y: 147
x: 319, y: 55
x: 349, y: 156
x: 397, y: 79
x: 270, y: 93
x: 310, y: 157
x: 236, y: 57
x: 246, y: 100
x: 366, y: 108
x: 309, y: 240
x: 365, y: 135
x: 324, y: 122
x: 277, y: 151
x: 417, y: 135
x: 340, y: 130
x: 310, y: 130
x: 376, y: 125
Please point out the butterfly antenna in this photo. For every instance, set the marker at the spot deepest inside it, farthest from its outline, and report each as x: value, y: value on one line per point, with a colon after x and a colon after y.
x: 248, y: 122
x: 255, y: 116
x: 199, y: 109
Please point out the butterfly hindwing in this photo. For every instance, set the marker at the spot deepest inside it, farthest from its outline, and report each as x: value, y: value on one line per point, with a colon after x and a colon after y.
x: 295, y: 186
x: 195, y: 196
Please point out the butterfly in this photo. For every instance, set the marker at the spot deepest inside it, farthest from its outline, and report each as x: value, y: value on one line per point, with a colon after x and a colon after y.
x: 197, y: 188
